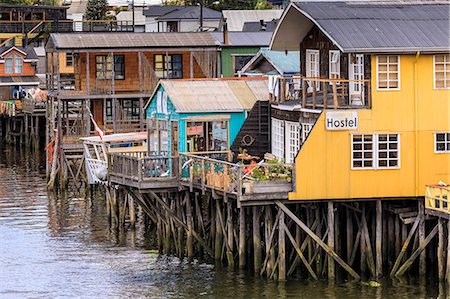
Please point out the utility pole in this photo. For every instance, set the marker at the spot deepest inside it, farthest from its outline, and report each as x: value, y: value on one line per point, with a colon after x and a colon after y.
x: 201, y: 15
x: 132, y: 4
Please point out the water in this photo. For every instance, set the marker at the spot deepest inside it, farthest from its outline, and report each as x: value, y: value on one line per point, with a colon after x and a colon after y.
x: 61, y: 247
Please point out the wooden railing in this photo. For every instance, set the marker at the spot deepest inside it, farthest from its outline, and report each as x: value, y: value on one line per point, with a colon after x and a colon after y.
x: 323, y: 93
x: 142, y: 169
x: 32, y: 106
x: 236, y: 179
x: 124, y: 125
x: 437, y: 198
x: 33, y: 26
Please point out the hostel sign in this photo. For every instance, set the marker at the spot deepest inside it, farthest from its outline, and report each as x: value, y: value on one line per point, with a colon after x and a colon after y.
x: 341, y: 120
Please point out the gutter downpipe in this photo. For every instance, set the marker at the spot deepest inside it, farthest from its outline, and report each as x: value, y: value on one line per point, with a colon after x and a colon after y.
x: 416, y: 122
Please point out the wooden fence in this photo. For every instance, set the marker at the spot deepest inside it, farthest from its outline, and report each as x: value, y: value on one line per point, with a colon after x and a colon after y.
x: 437, y: 198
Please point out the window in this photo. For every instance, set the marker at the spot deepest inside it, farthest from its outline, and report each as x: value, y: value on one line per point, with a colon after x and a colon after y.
x: 377, y: 151
x: 108, y: 109
x: 131, y: 109
x: 388, y: 150
x: 207, y: 136
x: 158, y: 136
x: 9, y: 65
x: 388, y: 72
x: 278, y: 138
x: 5, y: 16
x: 69, y: 59
x: 239, y: 61
x: 442, y: 142
x: 312, y: 68
x: 18, y: 64
x: 104, y: 64
x: 306, y: 128
x: 172, y: 26
x: 442, y: 71
x: 334, y: 64
x: 292, y: 140
x: 168, y: 66
x: 161, y: 102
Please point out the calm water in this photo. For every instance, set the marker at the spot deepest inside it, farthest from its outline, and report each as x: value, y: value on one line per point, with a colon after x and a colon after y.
x: 61, y: 247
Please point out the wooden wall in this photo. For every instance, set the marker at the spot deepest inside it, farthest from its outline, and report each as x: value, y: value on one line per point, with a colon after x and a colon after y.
x: 131, y: 81
x: 317, y: 40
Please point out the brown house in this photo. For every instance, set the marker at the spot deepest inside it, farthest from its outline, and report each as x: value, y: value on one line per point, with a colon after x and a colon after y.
x: 115, y: 75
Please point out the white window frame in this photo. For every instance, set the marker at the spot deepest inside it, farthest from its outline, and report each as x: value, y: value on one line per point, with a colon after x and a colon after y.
x: 446, y: 140
x: 375, y: 152
x: 292, y: 140
x: 278, y: 137
x: 305, y: 130
x: 315, y: 71
x: 446, y: 64
x: 18, y: 64
x: 378, y: 73
x: 334, y: 65
x: 9, y: 69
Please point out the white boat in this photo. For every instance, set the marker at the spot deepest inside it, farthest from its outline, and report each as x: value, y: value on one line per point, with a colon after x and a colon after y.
x: 96, y: 152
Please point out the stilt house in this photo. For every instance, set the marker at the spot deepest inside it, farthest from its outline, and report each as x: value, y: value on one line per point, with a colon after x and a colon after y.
x: 378, y: 78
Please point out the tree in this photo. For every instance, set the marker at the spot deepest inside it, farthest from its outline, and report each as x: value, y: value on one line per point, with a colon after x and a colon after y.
x: 96, y: 10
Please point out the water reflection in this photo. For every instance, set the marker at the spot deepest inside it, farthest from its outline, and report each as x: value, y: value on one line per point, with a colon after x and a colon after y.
x: 60, y: 245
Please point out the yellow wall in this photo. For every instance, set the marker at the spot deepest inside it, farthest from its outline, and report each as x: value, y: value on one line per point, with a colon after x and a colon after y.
x: 63, y: 69
x: 323, y: 165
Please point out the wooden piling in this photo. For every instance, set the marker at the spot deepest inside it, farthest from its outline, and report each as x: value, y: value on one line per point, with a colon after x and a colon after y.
x: 189, y: 238
x: 256, y: 240
x: 378, y: 240
x: 242, y: 247
x: 330, y: 242
x: 423, y: 255
x: 440, y: 251
x: 448, y: 253
x: 281, y: 249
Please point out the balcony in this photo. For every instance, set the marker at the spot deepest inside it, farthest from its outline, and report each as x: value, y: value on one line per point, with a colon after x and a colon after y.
x: 262, y: 181
x: 143, y: 172
x: 437, y: 198
x: 321, y: 93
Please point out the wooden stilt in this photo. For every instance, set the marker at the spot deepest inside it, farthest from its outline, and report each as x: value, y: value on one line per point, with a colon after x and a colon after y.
x: 256, y: 240
x: 281, y: 249
x: 440, y: 251
x: 218, y: 236
x: 189, y: 239
x: 324, y: 246
x: 230, y: 241
x: 378, y: 241
x: 397, y: 235
x: 131, y: 212
x: 362, y: 243
x: 417, y: 252
x: 423, y: 255
x: 405, y: 247
x: 242, y: 247
x: 330, y: 242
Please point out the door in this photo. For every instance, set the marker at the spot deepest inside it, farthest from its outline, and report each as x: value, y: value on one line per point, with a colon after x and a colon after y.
x: 356, y: 75
x: 174, y: 138
x: 312, y: 68
x: 97, y: 112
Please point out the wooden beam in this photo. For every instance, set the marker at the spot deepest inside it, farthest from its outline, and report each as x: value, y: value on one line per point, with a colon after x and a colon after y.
x: 324, y: 246
x: 405, y: 246
x: 330, y: 241
x: 416, y: 253
x: 282, y: 249
x: 378, y: 240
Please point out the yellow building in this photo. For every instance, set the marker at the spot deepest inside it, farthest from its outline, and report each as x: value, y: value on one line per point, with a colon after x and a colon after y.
x: 386, y: 76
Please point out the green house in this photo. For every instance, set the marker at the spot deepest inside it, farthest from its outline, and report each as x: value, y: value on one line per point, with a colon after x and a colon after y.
x: 238, y: 48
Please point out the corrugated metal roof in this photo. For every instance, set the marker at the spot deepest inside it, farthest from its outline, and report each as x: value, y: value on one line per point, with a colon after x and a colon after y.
x: 158, y: 10
x: 237, y: 18
x: 258, y: 39
x: 215, y: 95
x: 126, y: 40
x: 284, y: 63
x: 375, y: 27
x: 191, y: 12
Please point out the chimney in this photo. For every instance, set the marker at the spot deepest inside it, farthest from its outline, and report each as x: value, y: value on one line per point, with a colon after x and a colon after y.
x: 262, y: 25
x: 225, y: 31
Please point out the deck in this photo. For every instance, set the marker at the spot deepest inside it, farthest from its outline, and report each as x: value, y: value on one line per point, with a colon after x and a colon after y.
x: 156, y: 172
x: 437, y: 200
x: 322, y: 93
x: 204, y: 172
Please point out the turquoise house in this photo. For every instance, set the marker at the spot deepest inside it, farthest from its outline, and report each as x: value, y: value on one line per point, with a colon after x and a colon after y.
x: 200, y: 115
